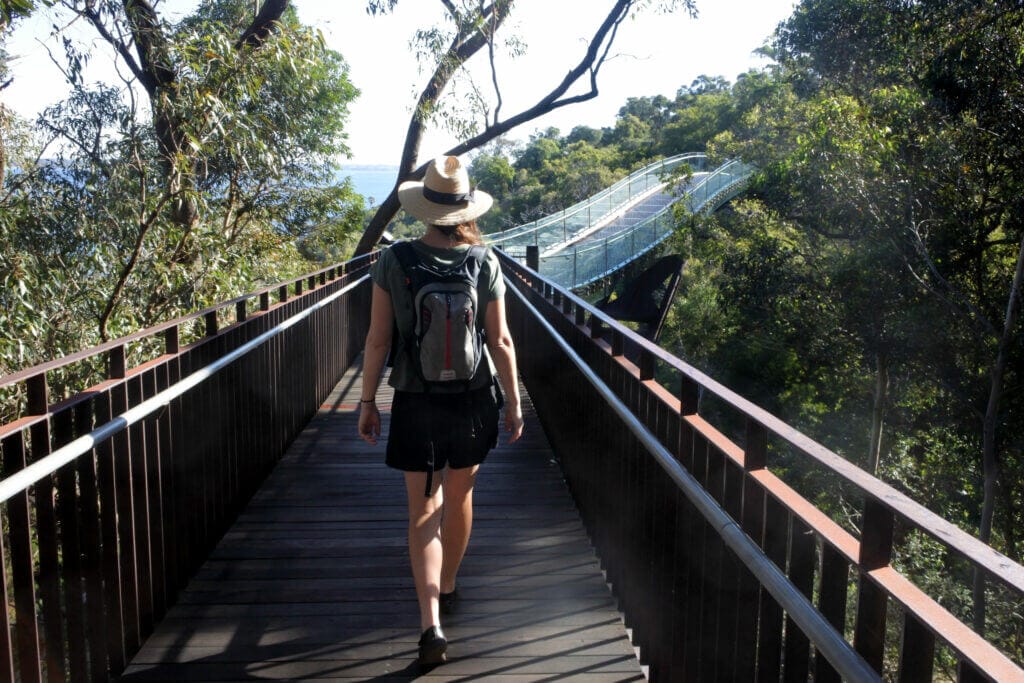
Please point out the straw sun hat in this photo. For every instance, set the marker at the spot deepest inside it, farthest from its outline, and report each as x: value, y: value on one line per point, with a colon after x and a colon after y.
x: 445, y: 196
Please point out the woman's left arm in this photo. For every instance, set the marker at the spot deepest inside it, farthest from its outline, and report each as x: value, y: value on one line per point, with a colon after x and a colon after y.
x: 499, y: 342
x: 375, y: 353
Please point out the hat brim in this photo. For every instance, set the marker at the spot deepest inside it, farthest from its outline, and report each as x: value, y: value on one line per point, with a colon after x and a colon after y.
x: 410, y: 195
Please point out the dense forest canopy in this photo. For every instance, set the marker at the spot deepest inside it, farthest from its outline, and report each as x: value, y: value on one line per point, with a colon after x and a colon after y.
x: 866, y: 288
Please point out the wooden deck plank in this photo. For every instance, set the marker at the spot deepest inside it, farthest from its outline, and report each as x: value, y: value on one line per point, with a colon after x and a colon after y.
x: 313, y: 580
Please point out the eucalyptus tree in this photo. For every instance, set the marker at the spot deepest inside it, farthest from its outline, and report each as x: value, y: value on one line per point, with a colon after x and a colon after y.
x: 915, y: 141
x: 209, y: 169
x: 147, y: 50
x: 472, y: 27
x: 10, y: 11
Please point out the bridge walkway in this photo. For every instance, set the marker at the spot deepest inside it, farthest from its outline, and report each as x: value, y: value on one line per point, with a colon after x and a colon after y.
x: 313, y: 579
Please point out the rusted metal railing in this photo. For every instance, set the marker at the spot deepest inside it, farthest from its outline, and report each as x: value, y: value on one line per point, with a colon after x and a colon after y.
x: 112, y: 498
x: 715, y: 560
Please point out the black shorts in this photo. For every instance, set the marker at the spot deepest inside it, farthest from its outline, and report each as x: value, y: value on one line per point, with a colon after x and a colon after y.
x: 432, y: 430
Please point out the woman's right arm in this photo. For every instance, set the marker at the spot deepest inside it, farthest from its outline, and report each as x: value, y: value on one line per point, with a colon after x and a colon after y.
x: 499, y: 343
x: 375, y: 354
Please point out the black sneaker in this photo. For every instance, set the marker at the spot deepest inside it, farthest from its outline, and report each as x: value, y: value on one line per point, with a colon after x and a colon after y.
x: 433, y: 647
x: 448, y: 601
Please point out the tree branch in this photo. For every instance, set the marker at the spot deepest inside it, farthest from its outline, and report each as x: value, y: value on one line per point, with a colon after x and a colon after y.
x: 144, y: 226
x: 494, y: 68
x: 590, y: 64
x: 260, y: 28
x: 119, y: 46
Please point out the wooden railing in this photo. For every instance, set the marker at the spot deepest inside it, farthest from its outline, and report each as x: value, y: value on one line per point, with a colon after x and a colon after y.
x: 715, y: 560
x: 112, y: 498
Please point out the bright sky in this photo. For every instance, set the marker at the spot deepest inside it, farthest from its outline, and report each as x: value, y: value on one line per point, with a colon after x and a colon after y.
x: 653, y: 55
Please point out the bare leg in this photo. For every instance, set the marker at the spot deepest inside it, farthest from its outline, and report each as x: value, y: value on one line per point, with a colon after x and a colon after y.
x: 425, y: 544
x: 457, y: 521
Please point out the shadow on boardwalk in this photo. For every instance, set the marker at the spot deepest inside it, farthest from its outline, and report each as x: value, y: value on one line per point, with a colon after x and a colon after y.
x: 313, y: 580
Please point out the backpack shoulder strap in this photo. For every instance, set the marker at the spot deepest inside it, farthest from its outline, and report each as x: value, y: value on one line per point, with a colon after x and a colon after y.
x: 409, y: 262
x: 473, y: 262
x: 407, y: 257
x: 477, y: 252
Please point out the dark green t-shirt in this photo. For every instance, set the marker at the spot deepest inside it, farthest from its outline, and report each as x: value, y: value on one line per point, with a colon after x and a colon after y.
x: 387, y: 273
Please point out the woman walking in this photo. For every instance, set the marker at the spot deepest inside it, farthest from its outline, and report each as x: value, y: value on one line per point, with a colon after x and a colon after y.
x: 442, y: 293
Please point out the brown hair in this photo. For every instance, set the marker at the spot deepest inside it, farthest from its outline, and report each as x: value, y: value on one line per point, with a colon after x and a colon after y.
x: 463, y: 233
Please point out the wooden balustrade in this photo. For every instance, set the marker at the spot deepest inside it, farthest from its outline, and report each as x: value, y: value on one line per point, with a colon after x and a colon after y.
x: 696, y: 611
x: 95, y: 551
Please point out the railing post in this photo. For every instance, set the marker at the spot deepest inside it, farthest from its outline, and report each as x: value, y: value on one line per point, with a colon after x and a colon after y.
x: 116, y: 362
x: 241, y: 312
x: 755, y: 456
x: 689, y: 396
x: 22, y: 579
x: 171, y: 343
x: 46, y: 539
x: 877, y: 526
x: 917, y: 652
x: 647, y: 365
x: 115, y: 573
x: 533, y: 258
x: 211, y: 323
x: 6, y: 646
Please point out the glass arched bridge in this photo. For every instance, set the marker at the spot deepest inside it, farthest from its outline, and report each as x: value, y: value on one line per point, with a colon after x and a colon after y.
x: 596, y: 237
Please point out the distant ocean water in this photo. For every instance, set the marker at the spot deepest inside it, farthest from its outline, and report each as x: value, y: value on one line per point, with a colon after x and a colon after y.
x: 374, y: 182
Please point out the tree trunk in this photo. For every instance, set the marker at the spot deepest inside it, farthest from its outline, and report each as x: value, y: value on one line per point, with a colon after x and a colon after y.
x: 157, y: 75
x: 263, y: 23
x: 990, y: 425
x: 881, y: 395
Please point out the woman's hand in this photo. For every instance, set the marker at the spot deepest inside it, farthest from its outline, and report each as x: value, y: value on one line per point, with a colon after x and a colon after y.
x: 369, y: 422
x: 513, y: 421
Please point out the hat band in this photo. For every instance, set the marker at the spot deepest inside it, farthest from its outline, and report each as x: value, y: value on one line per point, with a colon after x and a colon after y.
x: 447, y: 198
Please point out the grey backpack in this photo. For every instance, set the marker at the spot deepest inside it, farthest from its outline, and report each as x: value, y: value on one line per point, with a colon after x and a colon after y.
x: 446, y: 343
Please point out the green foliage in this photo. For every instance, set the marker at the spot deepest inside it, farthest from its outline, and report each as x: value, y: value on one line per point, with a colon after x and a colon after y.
x: 864, y: 291
x: 12, y: 9
x: 552, y: 171
x: 90, y: 246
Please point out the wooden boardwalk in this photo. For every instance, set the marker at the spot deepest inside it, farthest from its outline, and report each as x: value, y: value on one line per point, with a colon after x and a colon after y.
x: 313, y: 580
